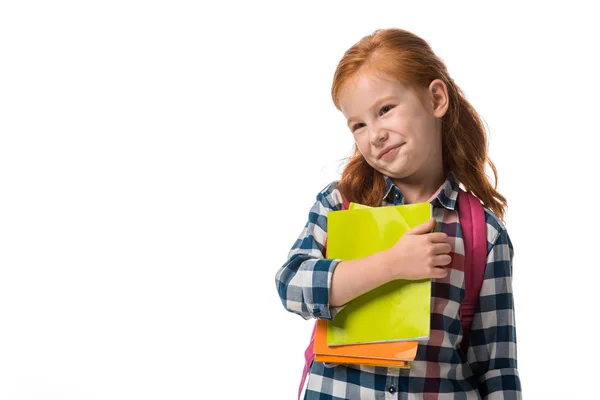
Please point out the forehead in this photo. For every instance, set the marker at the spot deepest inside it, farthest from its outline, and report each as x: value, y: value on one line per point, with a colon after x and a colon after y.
x: 364, y: 89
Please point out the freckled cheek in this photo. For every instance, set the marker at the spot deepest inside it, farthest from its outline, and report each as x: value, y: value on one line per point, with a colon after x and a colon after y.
x: 413, y: 132
x: 363, y: 148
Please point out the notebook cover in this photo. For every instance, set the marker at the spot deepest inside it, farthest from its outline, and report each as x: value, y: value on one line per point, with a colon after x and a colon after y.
x: 396, y: 311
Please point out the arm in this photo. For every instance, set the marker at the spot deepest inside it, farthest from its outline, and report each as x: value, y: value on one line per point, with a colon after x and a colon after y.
x: 316, y: 287
x: 493, y: 345
x: 355, y: 277
x: 304, y: 281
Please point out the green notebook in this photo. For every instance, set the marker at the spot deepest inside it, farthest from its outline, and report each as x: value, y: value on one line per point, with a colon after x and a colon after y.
x: 396, y: 311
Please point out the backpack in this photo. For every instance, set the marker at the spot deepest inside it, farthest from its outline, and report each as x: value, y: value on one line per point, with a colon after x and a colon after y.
x: 474, y: 228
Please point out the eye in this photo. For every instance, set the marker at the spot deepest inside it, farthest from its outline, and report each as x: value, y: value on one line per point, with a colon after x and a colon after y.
x: 357, y: 126
x: 385, y: 109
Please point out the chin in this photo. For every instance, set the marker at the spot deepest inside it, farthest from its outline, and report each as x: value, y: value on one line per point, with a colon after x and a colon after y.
x: 399, y: 176
x: 399, y: 172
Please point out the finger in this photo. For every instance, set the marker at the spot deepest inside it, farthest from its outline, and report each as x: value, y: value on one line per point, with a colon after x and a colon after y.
x: 442, y: 260
x: 441, y: 248
x: 439, y: 273
x: 438, y: 237
x: 423, y: 228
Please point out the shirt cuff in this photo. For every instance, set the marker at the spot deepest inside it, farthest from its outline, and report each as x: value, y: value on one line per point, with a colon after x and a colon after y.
x: 317, y: 292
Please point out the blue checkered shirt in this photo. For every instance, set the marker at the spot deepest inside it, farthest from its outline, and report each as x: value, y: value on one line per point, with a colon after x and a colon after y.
x: 440, y: 370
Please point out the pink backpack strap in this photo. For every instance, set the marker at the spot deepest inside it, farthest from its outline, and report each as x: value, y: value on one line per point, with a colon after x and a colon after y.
x: 309, y: 353
x: 474, y: 228
x: 309, y: 356
x: 345, y: 204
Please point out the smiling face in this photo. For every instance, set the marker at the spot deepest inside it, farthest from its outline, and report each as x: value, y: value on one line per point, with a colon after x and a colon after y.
x: 395, y: 133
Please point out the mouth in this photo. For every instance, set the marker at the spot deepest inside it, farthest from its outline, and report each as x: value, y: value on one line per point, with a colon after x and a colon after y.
x: 388, y: 150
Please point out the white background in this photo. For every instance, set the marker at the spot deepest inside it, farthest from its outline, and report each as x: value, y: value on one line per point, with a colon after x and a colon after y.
x: 158, y: 160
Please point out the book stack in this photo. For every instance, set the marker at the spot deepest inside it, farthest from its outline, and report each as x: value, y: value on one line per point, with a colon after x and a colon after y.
x: 381, y: 327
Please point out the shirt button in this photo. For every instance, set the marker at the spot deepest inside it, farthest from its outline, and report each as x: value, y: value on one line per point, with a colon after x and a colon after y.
x: 392, y: 389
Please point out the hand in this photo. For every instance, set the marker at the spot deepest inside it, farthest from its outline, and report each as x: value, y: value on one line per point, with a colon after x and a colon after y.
x: 419, y: 254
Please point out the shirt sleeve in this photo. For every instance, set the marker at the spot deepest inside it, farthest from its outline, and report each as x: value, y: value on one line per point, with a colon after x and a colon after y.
x: 304, y: 281
x: 493, y: 343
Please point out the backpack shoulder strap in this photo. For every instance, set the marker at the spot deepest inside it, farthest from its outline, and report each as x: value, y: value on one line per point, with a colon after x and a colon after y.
x: 309, y: 354
x: 474, y: 228
x: 345, y: 204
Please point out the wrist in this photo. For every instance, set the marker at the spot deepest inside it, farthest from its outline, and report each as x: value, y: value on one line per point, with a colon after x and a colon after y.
x: 384, y: 262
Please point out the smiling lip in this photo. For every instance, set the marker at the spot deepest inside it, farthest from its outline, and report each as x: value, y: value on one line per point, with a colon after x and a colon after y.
x: 388, y: 149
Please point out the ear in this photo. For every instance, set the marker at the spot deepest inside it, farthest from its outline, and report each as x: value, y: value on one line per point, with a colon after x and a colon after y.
x: 438, y: 95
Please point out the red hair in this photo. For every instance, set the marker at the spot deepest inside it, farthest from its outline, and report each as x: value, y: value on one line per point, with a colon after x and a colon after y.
x: 410, y: 60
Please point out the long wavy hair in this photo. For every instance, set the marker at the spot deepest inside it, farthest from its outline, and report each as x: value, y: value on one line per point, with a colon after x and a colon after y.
x: 409, y: 59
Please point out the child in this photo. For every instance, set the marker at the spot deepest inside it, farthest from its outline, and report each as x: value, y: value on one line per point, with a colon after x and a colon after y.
x: 417, y: 138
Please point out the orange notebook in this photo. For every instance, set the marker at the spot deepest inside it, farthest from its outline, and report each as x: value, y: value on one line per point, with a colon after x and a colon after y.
x: 387, y: 353
x: 362, y: 361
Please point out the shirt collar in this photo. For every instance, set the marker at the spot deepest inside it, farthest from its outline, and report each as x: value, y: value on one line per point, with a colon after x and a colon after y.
x: 446, y: 195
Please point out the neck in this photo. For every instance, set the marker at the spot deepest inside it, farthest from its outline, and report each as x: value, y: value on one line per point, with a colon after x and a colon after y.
x: 420, y: 188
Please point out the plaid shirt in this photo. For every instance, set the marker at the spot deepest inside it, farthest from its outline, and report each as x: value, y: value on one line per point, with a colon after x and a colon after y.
x: 440, y: 370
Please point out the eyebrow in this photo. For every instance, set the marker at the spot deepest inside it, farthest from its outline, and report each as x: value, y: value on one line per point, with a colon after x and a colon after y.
x: 377, y: 104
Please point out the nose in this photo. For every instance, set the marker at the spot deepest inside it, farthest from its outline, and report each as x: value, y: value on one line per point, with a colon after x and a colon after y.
x: 378, y: 134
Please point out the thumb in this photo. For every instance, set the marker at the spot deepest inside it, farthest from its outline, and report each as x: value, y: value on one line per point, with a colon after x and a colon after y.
x: 423, y: 228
